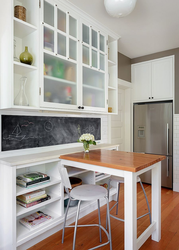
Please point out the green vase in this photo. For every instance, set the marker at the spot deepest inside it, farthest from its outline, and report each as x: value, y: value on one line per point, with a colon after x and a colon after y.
x: 26, y: 57
x: 86, y: 147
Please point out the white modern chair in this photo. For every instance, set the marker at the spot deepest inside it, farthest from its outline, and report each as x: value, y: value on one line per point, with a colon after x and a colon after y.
x: 120, y: 180
x: 86, y: 192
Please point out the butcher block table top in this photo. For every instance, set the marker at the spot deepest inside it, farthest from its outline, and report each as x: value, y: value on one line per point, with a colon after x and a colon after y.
x: 127, y: 161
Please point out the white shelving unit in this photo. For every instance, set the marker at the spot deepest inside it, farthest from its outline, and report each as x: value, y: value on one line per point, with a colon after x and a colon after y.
x: 14, y: 235
x: 112, y: 75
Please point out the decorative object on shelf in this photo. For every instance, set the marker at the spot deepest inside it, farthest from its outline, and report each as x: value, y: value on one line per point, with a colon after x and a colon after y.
x: 15, y: 57
x: 26, y: 57
x: 119, y: 8
x: 87, y: 139
x: 21, y: 98
x: 20, y: 12
x: 110, y: 109
x: 58, y: 69
x: 68, y: 95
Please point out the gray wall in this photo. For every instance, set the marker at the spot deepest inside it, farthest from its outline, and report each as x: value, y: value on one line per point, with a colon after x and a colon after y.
x: 124, y: 67
x: 163, y: 54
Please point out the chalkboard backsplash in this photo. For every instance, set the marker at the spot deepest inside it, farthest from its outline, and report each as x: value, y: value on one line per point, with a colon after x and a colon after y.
x: 20, y: 132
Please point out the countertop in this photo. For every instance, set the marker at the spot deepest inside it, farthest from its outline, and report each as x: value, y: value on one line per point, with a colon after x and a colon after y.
x: 127, y: 161
x: 50, y: 155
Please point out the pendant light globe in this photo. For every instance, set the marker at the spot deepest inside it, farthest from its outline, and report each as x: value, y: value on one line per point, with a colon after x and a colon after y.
x: 119, y: 8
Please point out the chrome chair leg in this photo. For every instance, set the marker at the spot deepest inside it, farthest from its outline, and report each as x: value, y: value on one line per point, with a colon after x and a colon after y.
x: 146, y: 201
x: 99, y: 216
x: 76, y: 224
x: 117, y: 203
x: 109, y: 224
x: 64, y: 224
x: 108, y: 200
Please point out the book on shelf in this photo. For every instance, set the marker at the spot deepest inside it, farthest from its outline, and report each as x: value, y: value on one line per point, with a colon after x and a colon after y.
x: 35, y: 220
x: 32, y: 194
x: 27, y: 205
x: 33, y: 199
x: 31, y: 178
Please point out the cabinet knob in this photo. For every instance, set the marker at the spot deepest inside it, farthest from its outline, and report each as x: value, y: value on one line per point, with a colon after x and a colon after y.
x: 82, y: 107
x: 152, y: 97
x: 149, y: 97
x: 79, y: 107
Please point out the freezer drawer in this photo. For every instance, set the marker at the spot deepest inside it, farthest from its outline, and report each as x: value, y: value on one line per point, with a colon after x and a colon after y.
x: 166, y: 174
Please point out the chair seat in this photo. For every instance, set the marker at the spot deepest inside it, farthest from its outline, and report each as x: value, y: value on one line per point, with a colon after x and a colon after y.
x: 121, y: 179
x: 88, y: 192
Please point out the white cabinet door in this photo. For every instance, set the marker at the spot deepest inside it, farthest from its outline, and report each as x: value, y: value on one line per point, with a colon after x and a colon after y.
x: 94, y: 68
x: 162, y: 78
x: 141, y: 79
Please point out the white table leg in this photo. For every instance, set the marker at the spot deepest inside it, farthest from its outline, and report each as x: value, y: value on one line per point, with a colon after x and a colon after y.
x: 156, y: 201
x: 130, y: 216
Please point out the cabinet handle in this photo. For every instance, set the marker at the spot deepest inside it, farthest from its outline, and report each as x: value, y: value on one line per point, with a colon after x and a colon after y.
x: 167, y: 166
x: 167, y: 139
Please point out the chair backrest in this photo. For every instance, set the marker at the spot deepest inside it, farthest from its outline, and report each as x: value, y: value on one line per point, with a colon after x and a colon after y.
x: 64, y: 176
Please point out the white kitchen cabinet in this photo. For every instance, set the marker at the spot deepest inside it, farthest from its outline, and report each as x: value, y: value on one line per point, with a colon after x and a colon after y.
x: 153, y: 80
x: 70, y: 66
x: 94, y: 67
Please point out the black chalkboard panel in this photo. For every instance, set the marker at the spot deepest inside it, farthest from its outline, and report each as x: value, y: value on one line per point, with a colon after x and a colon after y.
x: 20, y: 132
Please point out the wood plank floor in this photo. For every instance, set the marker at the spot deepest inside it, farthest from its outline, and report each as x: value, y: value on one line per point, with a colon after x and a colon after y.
x: 89, y: 237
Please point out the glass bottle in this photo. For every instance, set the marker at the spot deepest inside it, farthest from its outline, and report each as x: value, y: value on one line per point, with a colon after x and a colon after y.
x: 21, y: 98
x: 26, y: 57
x: 15, y: 57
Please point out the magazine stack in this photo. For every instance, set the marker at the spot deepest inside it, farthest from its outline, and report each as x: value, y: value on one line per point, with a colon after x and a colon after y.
x: 31, y: 179
x: 32, y: 198
x: 35, y: 220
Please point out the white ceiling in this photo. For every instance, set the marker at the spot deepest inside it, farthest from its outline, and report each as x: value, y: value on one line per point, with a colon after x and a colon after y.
x: 153, y: 25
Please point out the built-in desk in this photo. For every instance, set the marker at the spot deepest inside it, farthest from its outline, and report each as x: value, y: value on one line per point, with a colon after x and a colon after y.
x: 129, y: 166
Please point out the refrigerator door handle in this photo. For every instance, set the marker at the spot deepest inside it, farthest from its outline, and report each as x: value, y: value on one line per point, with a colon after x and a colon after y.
x: 167, y: 139
x: 167, y: 166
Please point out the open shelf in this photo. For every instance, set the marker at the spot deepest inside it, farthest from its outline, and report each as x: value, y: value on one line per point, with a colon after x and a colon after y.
x: 22, y: 210
x: 75, y: 171
x: 102, y: 177
x: 24, y: 234
x: 21, y: 190
x: 22, y: 68
x: 111, y: 63
x: 111, y: 88
x: 22, y: 28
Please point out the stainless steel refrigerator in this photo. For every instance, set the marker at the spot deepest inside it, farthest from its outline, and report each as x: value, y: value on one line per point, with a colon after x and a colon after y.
x: 153, y: 134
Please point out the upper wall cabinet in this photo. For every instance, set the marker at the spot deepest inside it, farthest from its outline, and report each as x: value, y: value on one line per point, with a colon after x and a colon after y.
x: 94, y: 67
x: 60, y: 57
x: 153, y: 80
x: 69, y: 71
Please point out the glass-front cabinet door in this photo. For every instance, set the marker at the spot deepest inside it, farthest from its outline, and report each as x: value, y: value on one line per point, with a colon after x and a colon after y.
x: 60, y: 57
x: 94, y: 68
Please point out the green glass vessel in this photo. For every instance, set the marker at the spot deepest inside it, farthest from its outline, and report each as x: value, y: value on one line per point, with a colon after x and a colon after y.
x: 26, y: 57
